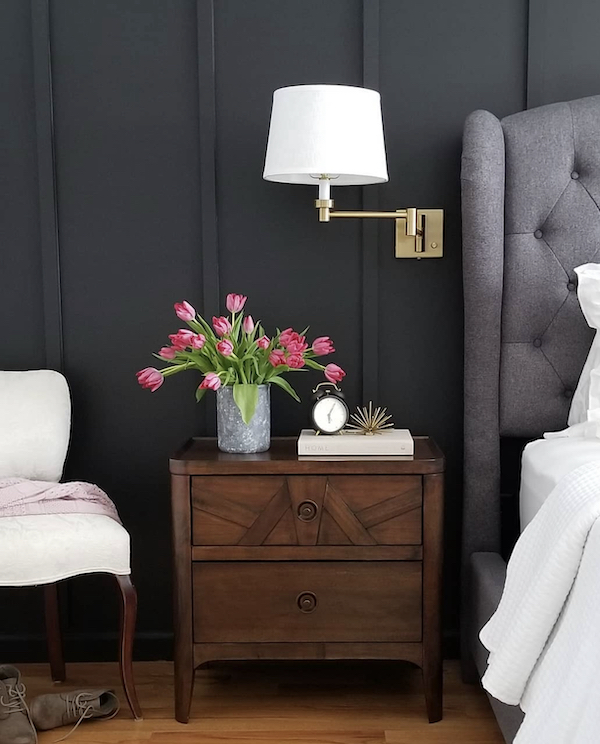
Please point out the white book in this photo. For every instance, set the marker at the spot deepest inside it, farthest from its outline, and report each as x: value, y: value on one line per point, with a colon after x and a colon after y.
x: 348, y: 443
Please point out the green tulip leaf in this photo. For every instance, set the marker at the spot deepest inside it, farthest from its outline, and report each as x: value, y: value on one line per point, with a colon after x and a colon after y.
x: 246, y: 398
x: 285, y: 385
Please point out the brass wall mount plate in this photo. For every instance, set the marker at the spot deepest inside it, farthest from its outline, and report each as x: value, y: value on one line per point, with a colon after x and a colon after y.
x: 429, y: 242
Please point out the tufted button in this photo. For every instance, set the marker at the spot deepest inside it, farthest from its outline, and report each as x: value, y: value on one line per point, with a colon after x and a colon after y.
x: 570, y: 286
x: 538, y: 234
x: 537, y: 342
x: 568, y: 393
x: 574, y: 175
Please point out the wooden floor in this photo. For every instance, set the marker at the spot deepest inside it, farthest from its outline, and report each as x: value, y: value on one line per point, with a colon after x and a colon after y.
x: 302, y: 703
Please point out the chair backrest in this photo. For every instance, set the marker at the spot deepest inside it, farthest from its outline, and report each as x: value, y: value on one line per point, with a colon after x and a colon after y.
x: 35, y: 424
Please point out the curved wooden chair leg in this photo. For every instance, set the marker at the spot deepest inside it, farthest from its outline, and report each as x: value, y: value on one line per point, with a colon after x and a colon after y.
x: 53, y: 635
x: 128, y: 617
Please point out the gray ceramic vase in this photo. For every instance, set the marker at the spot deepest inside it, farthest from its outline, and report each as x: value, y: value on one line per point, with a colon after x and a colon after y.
x: 233, y: 434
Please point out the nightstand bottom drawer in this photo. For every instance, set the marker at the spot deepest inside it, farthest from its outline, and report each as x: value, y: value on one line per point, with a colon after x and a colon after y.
x: 256, y: 602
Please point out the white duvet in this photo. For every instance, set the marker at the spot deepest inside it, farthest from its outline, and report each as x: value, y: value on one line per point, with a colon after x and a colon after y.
x: 544, y: 638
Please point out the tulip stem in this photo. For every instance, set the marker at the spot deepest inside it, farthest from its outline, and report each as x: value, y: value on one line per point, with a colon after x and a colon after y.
x: 173, y: 370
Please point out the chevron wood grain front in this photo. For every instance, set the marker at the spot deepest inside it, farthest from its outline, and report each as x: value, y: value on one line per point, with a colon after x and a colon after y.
x: 307, y: 510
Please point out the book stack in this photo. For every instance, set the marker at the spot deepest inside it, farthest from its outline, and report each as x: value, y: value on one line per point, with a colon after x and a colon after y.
x: 394, y: 442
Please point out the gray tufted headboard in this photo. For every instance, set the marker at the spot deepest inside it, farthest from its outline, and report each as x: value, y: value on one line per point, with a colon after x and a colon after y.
x: 531, y: 214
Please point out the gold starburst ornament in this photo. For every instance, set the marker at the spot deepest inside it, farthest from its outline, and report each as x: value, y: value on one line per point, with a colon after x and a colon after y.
x: 370, y: 422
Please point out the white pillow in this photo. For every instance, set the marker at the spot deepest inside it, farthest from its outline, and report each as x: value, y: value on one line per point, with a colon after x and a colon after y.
x: 587, y: 394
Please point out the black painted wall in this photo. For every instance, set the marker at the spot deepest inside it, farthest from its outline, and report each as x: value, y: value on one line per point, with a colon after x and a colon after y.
x: 131, y: 159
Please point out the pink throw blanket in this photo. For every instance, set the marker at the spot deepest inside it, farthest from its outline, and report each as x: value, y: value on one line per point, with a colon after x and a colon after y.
x: 20, y: 497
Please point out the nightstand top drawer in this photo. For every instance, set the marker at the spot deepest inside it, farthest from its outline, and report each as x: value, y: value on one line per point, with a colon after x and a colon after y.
x: 201, y: 456
x: 306, y: 510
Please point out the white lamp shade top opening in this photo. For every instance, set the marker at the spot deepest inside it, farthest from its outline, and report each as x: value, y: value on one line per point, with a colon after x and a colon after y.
x: 332, y: 130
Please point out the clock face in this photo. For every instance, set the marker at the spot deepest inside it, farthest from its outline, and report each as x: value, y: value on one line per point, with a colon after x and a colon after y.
x: 330, y: 414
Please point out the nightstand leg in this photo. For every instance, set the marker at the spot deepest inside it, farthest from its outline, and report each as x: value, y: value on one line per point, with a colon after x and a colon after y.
x: 182, y: 584
x: 432, y: 681
x: 433, y: 516
x: 184, y: 689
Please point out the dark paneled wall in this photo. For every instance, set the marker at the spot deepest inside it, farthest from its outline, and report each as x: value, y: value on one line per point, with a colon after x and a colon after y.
x: 564, y: 57
x: 144, y: 178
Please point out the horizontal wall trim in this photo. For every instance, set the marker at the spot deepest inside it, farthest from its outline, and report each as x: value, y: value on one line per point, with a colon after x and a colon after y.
x: 25, y: 648
x: 92, y: 647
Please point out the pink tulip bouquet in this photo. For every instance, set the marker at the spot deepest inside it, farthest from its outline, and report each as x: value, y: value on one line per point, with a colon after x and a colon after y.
x: 235, y: 351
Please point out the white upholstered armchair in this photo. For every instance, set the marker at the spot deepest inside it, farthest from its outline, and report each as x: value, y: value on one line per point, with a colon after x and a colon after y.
x: 35, y: 423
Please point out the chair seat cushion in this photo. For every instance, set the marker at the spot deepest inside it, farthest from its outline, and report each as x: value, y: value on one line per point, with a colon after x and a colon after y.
x: 41, y: 549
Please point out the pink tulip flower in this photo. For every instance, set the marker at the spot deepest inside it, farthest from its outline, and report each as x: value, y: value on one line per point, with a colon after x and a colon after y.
x: 198, y: 341
x: 182, y: 338
x: 211, y: 381
x: 248, y: 324
x: 221, y: 325
x: 297, y: 346
x: 286, y: 336
x: 277, y: 357
x: 295, y: 361
x: 150, y: 378
x: 225, y: 347
x: 235, y: 302
x: 168, y: 352
x: 184, y: 311
x: 322, y: 346
x: 334, y: 373
x: 263, y: 342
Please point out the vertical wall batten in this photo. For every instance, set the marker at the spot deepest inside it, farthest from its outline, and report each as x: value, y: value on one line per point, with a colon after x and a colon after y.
x: 49, y: 240
x: 538, y: 23
x: 528, y: 63
x: 563, y: 56
x: 208, y: 132
x: 370, y: 228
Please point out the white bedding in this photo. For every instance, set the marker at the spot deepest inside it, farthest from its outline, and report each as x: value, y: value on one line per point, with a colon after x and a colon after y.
x: 545, y: 462
x: 543, y: 638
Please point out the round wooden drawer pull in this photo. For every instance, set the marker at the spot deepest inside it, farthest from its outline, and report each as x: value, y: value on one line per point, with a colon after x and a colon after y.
x: 307, y: 601
x: 307, y: 511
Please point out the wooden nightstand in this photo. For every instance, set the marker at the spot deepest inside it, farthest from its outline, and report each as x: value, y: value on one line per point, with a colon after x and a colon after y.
x: 281, y: 557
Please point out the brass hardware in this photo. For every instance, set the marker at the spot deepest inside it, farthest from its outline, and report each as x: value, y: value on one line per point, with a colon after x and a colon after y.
x: 307, y: 511
x: 429, y: 240
x: 411, y: 222
x: 419, y: 232
x: 324, y: 206
x: 307, y: 601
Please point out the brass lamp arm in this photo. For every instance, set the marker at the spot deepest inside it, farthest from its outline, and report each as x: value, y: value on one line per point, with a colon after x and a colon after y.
x: 411, y: 226
x: 326, y: 212
x: 395, y: 215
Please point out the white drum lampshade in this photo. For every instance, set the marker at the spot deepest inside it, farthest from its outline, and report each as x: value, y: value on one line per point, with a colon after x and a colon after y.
x: 326, y: 130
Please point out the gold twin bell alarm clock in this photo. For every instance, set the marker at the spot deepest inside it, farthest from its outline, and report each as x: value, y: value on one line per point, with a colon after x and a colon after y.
x: 330, y: 413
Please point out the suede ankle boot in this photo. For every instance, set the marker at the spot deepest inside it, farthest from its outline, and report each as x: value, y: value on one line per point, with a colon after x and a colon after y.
x: 64, y: 708
x: 16, y: 726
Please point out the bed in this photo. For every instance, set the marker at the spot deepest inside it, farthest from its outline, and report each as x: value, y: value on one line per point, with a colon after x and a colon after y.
x: 530, y: 195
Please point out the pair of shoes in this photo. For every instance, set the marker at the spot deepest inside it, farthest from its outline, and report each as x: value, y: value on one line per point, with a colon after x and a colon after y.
x: 19, y: 723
